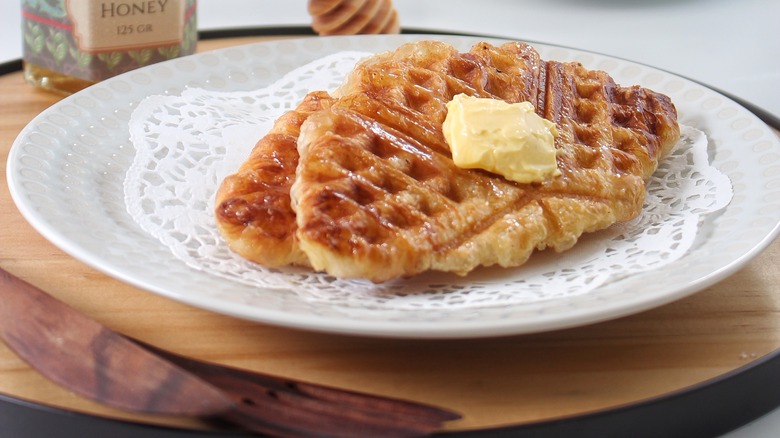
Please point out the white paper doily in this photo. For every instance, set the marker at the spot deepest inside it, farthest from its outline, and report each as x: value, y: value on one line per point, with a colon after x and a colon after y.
x: 186, y: 144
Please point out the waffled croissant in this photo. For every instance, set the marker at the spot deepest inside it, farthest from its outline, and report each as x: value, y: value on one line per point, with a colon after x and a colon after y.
x: 362, y: 184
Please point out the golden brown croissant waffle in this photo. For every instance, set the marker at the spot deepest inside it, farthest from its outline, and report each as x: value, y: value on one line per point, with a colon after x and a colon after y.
x: 253, y: 213
x: 376, y: 194
x: 351, y: 17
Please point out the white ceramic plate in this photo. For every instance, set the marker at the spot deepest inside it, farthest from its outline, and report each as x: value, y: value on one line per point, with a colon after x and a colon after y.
x: 66, y: 170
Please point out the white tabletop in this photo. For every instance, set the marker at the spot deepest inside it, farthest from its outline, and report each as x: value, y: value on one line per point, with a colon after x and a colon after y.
x: 732, y: 46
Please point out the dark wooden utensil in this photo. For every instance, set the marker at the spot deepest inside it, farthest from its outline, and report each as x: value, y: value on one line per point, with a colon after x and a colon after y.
x: 82, y: 355
x: 87, y: 358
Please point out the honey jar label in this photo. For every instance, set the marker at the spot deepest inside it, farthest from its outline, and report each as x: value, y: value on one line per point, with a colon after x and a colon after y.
x: 108, y: 26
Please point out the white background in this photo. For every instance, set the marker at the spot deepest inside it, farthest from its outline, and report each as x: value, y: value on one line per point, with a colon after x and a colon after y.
x: 732, y: 46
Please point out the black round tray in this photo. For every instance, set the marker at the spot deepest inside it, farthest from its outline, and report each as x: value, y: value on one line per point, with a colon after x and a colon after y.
x: 708, y: 409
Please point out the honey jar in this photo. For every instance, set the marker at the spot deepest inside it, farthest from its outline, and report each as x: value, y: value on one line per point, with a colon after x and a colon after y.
x: 71, y: 44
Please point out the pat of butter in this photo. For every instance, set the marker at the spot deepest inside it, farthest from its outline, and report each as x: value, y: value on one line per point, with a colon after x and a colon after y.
x: 508, y: 139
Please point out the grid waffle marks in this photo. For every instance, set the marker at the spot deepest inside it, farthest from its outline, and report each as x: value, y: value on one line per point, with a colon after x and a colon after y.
x: 390, y: 188
x: 396, y: 182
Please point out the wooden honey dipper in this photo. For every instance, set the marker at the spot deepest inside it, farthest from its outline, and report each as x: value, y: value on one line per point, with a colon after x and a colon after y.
x: 351, y: 17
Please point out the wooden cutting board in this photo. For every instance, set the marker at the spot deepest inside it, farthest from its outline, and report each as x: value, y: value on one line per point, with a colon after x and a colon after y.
x: 491, y: 381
